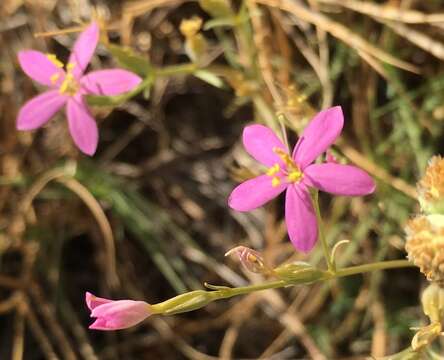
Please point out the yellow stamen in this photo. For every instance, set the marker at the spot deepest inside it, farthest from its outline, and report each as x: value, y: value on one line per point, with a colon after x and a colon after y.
x: 294, y: 176
x: 69, y: 85
x: 273, y: 170
x: 294, y: 173
x: 54, y: 78
x: 275, y: 181
x: 252, y: 258
x: 284, y: 156
x: 54, y: 60
x: 65, y: 84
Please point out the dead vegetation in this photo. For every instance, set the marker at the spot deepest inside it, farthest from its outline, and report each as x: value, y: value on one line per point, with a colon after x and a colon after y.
x: 147, y: 218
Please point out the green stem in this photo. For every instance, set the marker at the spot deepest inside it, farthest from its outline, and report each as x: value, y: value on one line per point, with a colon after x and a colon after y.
x: 352, y: 270
x: 227, y: 293
x: 381, y: 265
x: 199, y: 298
x: 330, y: 264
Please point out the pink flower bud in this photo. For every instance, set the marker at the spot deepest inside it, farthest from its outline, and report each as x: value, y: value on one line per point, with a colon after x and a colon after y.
x: 116, y: 315
x: 330, y: 158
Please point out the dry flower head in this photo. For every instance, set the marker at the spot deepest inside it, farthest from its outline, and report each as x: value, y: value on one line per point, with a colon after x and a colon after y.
x: 425, y: 245
x: 431, y: 186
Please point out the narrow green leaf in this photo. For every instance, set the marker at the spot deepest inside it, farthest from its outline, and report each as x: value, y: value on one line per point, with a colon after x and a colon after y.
x: 210, y: 78
x: 220, y: 22
x: 128, y: 59
x: 217, y: 8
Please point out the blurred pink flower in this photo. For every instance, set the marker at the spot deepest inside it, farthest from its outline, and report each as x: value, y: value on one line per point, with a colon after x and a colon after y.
x: 69, y: 87
x: 116, y: 315
x: 296, y: 174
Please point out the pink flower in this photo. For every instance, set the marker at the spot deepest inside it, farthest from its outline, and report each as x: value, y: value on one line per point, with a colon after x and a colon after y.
x: 116, y: 315
x: 69, y: 87
x: 296, y: 174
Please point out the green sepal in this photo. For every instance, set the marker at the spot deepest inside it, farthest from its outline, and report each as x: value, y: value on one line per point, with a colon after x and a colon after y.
x: 183, y: 303
x: 299, y: 272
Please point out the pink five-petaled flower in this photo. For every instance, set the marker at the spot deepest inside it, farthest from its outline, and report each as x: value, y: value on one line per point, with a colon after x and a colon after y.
x: 69, y: 87
x: 297, y: 174
x: 116, y: 315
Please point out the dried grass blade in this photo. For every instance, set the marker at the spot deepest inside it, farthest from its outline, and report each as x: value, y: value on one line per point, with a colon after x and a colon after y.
x: 421, y: 40
x: 387, y: 12
x: 339, y: 31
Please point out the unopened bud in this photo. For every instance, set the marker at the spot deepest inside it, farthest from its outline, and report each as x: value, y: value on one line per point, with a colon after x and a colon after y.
x: 433, y: 306
x: 299, y: 272
x: 425, y: 245
x: 190, y: 27
x: 250, y: 259
x: 433, y: 302
x: 330, y: 157
x: 431, y: 187
x: 195, y: 43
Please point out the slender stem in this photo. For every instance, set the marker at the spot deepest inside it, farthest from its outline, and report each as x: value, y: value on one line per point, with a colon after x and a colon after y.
x: 197, y: 299
x: 330, y: 264
x: 382, y: 265
x: 227, y: 293
x: 353, y: 270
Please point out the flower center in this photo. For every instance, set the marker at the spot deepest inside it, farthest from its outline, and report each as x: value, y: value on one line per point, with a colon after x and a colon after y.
x: 290, y: 171
x: 69, y: 86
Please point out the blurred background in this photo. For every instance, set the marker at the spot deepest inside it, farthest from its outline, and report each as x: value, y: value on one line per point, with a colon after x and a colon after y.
x: 147, y: 217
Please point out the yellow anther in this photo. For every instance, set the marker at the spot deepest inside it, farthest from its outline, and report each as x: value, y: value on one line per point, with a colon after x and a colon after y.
x: 64, y: 86
x: 54, y: 60
x: 69, y: 85
x: 70, y: 66
x: 275, y: 181
x: 294, y: 176
x: 284, y: 156
x: 252, y: 258
x: 54, y: 78
x: 273, y: 170
x: 294, y: 173
x: 190, y: 27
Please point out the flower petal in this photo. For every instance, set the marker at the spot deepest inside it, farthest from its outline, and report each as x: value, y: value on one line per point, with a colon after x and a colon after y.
x: 121, y: 308
x: 254, y: 193
x: 300, y: 218
x: 109, y: 82
x: 100, y: 324
x: 83, y: 49
x: 319, y: 134
x: 339, y: 179
x: 93, y: 301
x: 39, y: 68
x: 120, y: 314
x: 39, y: 110
x: 82, y: 126
x: 259, y: 141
